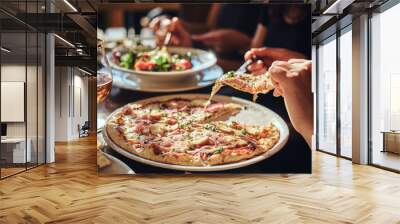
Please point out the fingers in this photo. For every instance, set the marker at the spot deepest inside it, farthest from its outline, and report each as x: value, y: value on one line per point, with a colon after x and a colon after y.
x: 305, y: 64
x: 248, y: 55
x: 176, y: 26
x: 278, y: 70
x: 277, y: 92
x: 180, y: 36
x: 256, y: 53
x: 258, y: 65
x: 281, y: 70
x: 154, y: 24
x: 263, y: 54
x: 295, y: 60
x: 290, y: 77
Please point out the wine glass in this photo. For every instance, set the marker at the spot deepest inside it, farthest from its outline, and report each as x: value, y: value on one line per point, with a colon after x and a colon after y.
x: 104, y: 77
x: 104, y: 85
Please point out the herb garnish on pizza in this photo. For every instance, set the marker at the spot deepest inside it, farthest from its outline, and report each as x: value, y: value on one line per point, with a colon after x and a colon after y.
x: 189, y: 132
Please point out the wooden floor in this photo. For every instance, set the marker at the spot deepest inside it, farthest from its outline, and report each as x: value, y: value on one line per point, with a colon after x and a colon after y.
x: 387, y: 159
x: 10, y: 171
x: 70, y: 191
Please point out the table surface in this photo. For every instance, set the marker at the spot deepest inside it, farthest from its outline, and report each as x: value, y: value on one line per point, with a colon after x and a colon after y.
x: 295, y: 157
x: 13, y: 140
x: 391, y: 132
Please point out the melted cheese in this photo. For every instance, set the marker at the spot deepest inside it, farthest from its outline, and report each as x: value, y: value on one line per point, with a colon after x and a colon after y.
x: 253, y: 130
x: 157, y: 129
x: 180, y: 146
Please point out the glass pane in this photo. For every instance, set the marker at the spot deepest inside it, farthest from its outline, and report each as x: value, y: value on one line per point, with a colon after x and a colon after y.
x: 385, y: 84
x: 327, y: 96
x: 31, y: 98
x: 41, y: 99
x: 13, y: 85
x: 345, y: 94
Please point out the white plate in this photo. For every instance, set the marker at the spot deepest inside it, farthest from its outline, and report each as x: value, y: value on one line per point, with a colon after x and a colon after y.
x: 254, y: 114
x: 201, y: 60
x: 129, y: 81
x: 116, y: 167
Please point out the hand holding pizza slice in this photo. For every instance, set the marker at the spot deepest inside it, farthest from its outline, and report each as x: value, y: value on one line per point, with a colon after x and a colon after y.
x: 256, y: 79
x: 245, y: 82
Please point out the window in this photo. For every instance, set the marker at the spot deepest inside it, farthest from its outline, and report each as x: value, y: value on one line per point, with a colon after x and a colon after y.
x: 345, y: 43
x: 385, y: 89
x: 22, y: 101
x: 326, y: 81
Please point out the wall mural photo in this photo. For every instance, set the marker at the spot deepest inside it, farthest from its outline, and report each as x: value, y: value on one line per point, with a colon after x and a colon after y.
x: 181, y: 92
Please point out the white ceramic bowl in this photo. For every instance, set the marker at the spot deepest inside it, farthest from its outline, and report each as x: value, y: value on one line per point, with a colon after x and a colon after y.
x: 201, y: 60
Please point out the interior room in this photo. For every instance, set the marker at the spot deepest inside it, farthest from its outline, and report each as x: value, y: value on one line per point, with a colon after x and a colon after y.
x: 335, y: 89
x: 22, y: 99
x: 59, y: 163
x: 46, y: 86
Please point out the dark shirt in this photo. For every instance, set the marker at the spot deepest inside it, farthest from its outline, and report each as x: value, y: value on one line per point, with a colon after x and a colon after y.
x: 241, y: 17
x: 296, y: 37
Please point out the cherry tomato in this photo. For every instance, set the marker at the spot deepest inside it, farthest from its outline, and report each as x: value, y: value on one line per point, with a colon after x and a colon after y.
x: 145, y: 65
x: 182, y: 64
x: 151, y: 65
x: 141, y: 65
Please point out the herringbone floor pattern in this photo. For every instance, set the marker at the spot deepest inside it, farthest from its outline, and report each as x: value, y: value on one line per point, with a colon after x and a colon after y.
x: 70, y: 191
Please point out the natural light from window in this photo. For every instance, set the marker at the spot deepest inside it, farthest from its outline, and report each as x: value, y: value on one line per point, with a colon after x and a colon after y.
x: 385, y: 83
x: 327, y: 96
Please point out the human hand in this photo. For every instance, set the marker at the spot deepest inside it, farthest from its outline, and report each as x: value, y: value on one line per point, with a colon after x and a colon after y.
x: 266, y: 56
x: 224, y: 39
x: 179, y: 35
x: 292, y: 81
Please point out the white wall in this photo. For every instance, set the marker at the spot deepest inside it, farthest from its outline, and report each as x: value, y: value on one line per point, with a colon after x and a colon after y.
x: 15, y: 73
x: 34, y: 125
x: 71, y: 103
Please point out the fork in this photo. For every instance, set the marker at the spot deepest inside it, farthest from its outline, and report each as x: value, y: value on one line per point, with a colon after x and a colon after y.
x: 167, y: 38
x: 243, y: 68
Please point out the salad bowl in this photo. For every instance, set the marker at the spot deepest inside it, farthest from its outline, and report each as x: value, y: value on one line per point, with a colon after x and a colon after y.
x: 200, y: 60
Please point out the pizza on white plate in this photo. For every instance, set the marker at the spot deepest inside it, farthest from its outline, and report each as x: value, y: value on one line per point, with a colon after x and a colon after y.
x: 190, y: 132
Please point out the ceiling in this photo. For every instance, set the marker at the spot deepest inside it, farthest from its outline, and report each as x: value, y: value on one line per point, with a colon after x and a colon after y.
x: 72, y: 20
x: 76, y: 22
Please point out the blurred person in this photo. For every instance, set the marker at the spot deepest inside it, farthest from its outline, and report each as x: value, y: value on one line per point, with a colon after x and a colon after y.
x: 225, y: 31
x: 284, y: 26
x: 285, y: 33
x: 282, y: 45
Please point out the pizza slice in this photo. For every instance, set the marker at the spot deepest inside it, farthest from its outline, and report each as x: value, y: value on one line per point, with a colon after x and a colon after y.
x: 102, y: 160
x: 263, y: 136
x: 182, y: 111
x: 199, y: 145
x: 223, y: 142
x: 250, y: 83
